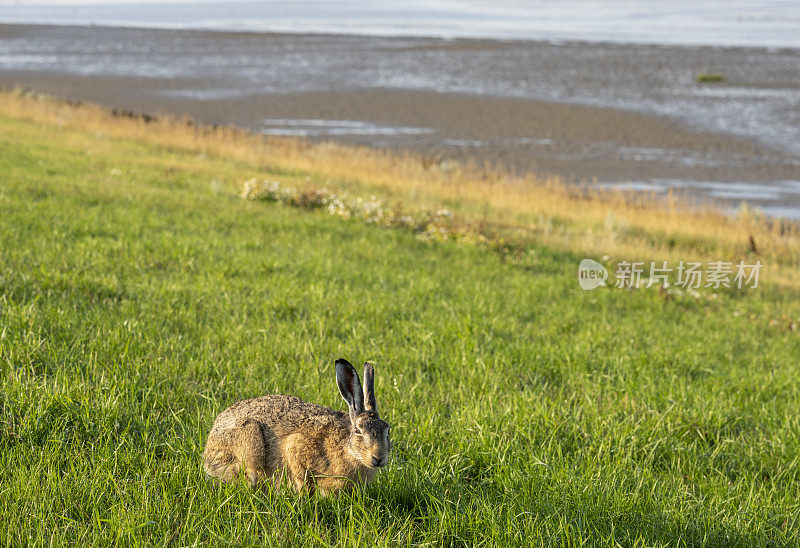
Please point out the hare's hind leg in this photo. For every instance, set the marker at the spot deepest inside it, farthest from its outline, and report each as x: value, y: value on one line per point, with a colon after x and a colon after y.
x: 297, y: 457
x: 238, y: 450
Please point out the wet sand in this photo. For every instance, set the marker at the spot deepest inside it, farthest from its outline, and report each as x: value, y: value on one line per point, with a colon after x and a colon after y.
x: 574, y: 141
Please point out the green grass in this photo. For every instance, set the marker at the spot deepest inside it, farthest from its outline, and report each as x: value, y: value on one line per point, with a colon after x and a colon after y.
x: 709, y: 78
x: 139, y: 296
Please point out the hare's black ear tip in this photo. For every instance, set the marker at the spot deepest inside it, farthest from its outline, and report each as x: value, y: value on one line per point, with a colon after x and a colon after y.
x: 343, y: 362
x: 369, y: 366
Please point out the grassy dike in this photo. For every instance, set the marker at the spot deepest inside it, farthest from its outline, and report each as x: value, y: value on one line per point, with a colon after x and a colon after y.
x: 140, y: 295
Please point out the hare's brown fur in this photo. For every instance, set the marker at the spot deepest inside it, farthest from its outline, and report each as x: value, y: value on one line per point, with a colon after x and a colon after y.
x: 289, y: 441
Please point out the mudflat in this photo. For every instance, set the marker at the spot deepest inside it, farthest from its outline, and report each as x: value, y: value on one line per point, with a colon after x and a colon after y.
x: 268, y: 87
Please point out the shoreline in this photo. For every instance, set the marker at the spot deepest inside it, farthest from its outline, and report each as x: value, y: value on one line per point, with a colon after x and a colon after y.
x: 578, y: 142
x: 472, y: 205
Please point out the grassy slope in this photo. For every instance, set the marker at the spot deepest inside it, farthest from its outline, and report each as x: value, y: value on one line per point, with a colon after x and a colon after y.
x: 139, y: 296
x: 518, y: 210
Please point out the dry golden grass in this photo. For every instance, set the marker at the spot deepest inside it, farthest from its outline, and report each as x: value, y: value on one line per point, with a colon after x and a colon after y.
x: 525, y: 209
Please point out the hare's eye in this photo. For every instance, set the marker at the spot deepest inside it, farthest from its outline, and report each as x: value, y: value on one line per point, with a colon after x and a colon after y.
x: 357, y: 431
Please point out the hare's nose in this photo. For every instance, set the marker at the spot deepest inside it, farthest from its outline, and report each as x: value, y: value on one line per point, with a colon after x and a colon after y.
x: 376, y: 461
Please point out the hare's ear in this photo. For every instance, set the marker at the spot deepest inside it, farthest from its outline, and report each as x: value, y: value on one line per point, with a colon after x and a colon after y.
x: 369, y: 388
x: 350, y: 387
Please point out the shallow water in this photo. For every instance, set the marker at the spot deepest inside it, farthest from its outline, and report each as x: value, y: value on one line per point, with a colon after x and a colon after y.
x: 677, y: 22
x: 318, y: 128
x: 774, y: 199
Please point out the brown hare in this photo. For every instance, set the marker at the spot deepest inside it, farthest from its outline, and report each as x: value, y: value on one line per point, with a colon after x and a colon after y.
x: 285, y: 439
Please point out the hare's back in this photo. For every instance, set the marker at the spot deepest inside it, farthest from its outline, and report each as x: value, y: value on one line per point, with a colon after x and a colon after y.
x: 277, y: 412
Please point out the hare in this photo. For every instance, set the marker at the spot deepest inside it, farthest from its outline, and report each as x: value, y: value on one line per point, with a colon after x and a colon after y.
x: 308, y: 446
